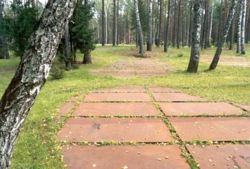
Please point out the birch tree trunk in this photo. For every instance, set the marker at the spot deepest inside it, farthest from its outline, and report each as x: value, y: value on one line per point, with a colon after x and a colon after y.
x: 243, y: 26
x: 167, y: 27
x: 225, y: 34
x: 196, y: 37
x: 239, y: 29
x: 149, y: 34
x: 31, y: 74
x: 139, y: 28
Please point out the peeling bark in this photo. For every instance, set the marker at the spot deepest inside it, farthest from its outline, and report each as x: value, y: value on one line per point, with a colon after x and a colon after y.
x: 31, y: 74
x: 225, y: 34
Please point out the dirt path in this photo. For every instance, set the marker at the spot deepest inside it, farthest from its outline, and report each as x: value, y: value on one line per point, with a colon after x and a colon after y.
x: 135, y: 66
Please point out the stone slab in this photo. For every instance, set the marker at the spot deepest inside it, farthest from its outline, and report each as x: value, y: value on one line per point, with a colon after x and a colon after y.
x: 212, y: 129
x: 176, y: 97
x: 66, y: 108
x: 222, y: 156
x: 129, y: 89
x: 115, y: 129
x: 124, y: 157
x: 199, y: 109
x: 162, y: 90
x: 116, y: 109
x: 100, y: 97
x: 245, y: 107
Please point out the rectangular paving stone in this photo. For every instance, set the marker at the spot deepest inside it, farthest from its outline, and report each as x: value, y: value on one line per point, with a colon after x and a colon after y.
x: 198, y: 109
x: 222, y: 156
x: 245, y: 107
x: 124, y: 157
x: 162, y: 90
x: 99, y: 97
x: 129, y: 89
x: 212, y: 129
x: 66, y: 108
x: 122, y: 130
x: 116, y: 109
x: 176, y: 97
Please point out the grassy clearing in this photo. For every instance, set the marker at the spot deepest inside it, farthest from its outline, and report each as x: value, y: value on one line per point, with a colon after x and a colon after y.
x: 37, y: 147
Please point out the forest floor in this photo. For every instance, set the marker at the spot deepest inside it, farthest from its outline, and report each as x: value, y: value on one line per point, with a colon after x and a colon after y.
x: 38, y: 145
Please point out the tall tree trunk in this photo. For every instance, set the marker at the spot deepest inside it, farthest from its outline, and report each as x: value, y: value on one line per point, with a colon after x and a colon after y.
x: 103, y: 24
x: 190, y: 22
x: 31, y: 74
x: 211, y: 23
x: 159, y: 24
x: 220, y: 23
x: 114, y: 23
x: 225, y: 34
x: 67, y: 50
x: 174, y: 25
x: 239, y: 29
x: 196, y: 35
x: 149, y: 33
x: 179, y: 25
x: 243, y: 26
x: 139, y: 28
x: 167, y: 27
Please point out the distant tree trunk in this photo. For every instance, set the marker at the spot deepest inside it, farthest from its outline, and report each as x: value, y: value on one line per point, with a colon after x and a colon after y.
x: 103, y: 24
x: 174, y: 25
x: 225, y: 34
x: 211, y: 23
x: 243, y: 26
x: 114, y: 23
x: 167, y: 27
x: 149, y: 33
x: 67, y: 50
x: 220, y: 23
x: 117, y: 23
x: 87, y: 57
x: 4, y: 52
x: 139, y: 28
x: 232, y: 35
x: 248, y: 22
x: 190, y: 22
x: 196, y: 35
x: 239, y: 29
x: 31, y: 74
x: 179, y: 25
x: 159, y: 24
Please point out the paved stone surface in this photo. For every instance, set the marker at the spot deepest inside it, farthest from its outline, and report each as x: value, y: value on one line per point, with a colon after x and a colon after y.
x: 198, y: 109
x: 212, y: 129
x: 222, y: 156
x: 117, y: 97
x: 176, y: 97
x: 116, y: 109
x: 123, y: 130
x: 245, y: 107
x: 124, y: 157
x: 66, y: 108
x: 129, y: 89
x: 162, y: 90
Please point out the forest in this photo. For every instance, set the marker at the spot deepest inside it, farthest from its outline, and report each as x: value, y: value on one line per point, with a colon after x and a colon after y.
x: 76, y: 74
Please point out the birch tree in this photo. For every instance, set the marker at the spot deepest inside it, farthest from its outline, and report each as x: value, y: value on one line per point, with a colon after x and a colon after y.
x: 31, y: 74
x: 227, y: 26
x: 139, y: 28
x: 149, y: 33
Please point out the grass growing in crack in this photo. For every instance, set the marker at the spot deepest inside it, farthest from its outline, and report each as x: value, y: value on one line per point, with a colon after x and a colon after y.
x: 37, y: 146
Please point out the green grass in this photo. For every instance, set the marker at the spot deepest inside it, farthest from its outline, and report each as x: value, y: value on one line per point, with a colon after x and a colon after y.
x: 37, y: 147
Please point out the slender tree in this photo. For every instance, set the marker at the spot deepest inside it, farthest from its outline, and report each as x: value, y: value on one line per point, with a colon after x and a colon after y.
x: 239, y: 27
x: 243, y: 26
x: 103, y: 24
x: 31, y: 74
x: 114, y: 23
x: 67, y: 50
x: 4, y: 52
x: 167, y: 27
x: 139, y: 28
x: 196, y: 35
x: 149, y: 31
x: 227, y: 26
